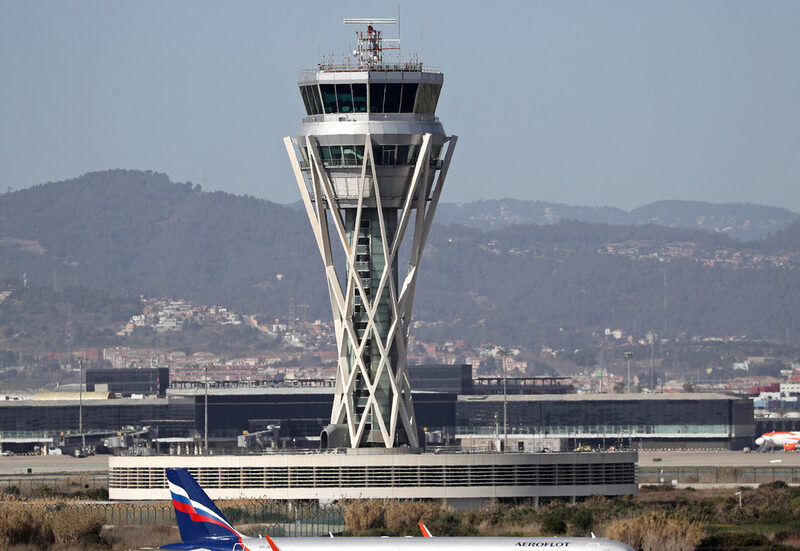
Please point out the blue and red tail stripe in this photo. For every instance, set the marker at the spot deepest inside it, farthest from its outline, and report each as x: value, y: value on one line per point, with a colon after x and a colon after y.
x: 198, y: 518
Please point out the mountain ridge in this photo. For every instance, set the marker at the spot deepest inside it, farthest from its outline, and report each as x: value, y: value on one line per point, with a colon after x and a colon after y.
x: 743, y: 221
x: 136, y: 232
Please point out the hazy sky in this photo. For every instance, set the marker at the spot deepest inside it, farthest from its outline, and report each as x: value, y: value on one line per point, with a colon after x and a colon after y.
x: 615, y: 103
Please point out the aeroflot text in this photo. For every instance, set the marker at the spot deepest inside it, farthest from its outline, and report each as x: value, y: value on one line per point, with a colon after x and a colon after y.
x: 542, y: 543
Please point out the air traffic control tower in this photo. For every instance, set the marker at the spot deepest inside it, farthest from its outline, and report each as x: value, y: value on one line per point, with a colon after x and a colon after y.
x: 370, y: 159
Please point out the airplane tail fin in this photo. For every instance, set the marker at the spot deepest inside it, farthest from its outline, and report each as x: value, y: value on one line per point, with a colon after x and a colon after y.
x: 197, y: 516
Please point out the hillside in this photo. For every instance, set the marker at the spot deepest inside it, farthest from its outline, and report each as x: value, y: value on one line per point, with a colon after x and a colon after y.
x: 741, y: 221
x: 132, y: 232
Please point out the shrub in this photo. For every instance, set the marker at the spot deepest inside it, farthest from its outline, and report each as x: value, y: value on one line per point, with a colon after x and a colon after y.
x: 10, y: 491
x: 23, y: 523
x: 657, y: 530
x: 96, y: 494
x: 787, y: 536
x: 656, y: 488
x: 71, y: 525
x: 363, y: 515
x: 402, y: 517
x: 553, y: 523
x: 43, y: 491
x: 776, y: 485
x: 741, y: 540
x: 43, y: 524
x: 450, y: 524
x: 582, y: 521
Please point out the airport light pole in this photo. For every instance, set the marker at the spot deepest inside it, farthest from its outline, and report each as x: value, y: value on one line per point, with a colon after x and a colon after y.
x: 652, y: 362
x: 628, y: 381
x: 80, y: 403
x: 205, y: 411
x: 504, y: 353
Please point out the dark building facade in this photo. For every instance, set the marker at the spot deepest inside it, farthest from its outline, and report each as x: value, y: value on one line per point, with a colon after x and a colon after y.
x: 173, y: 416
x: 657, y: 420
x: 128, y: 381
x: 653, y: 420
x: 306, y: 410
x: 456, y: 378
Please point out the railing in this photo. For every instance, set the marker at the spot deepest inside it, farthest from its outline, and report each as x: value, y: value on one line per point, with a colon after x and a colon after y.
x: 595, y: 430
x: 429, y: 449
x: 11, y: 434
x: 382, y: 68
x: 718, y: 475
x: 361, y: 117
x: 45, y: 486
x: 255, y: 518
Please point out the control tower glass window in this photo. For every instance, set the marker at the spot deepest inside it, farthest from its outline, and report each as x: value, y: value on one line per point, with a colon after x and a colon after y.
x: 311, y: 100
x: 360, y: 98
x: 306, y: 104
x: 313, y: 92
x: 376, y: 92
x: 344, y: 98
x: 328, y: 97
x: 391, y: 102
x: 409, y: 95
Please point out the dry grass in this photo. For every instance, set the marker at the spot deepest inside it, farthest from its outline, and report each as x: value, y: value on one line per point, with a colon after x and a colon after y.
x: 396, y: 517
x: 528, y: 529
x: 70, y: 525
x: 659, y: 494
x: 657, y: 531
x: 122, y: 538
x: 46, y: 523
x: 363, y: 515
x: 399, y: 516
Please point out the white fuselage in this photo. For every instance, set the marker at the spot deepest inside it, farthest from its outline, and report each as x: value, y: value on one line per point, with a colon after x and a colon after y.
x: 430, y: 544
x: 787, y: 440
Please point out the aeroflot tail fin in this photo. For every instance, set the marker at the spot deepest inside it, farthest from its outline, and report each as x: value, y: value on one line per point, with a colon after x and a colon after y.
x: 425, y: 531
x: 197, y: 516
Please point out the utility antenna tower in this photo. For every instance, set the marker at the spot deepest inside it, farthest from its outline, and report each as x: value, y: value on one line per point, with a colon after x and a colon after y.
x: 370, y: 159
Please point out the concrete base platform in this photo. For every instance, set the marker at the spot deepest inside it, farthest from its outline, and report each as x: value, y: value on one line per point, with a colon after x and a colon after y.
x: 334, y: 476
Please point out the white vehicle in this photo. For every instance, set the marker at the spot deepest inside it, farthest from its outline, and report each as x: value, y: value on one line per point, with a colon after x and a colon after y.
x: 204, y: 528
x: 781, y: 439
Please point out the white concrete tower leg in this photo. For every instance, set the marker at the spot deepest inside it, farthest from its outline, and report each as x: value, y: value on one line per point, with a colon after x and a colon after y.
x: 374, y: 394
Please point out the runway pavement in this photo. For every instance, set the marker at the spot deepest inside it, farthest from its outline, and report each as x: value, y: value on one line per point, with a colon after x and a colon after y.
x: 693, y: 458
x: 52, y: 464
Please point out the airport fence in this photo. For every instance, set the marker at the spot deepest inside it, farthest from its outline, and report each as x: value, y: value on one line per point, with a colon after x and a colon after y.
x: 252, y: 518
x: 76, y: 484
x: 718, y: 475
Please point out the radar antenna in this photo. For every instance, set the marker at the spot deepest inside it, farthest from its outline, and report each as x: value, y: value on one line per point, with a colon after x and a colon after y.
x: 371, y: 42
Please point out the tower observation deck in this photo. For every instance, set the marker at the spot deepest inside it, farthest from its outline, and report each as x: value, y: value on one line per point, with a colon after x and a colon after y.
x: 370, y: 159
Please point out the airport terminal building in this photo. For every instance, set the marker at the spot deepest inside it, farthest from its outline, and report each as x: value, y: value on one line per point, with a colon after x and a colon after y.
x: 294, y: 417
